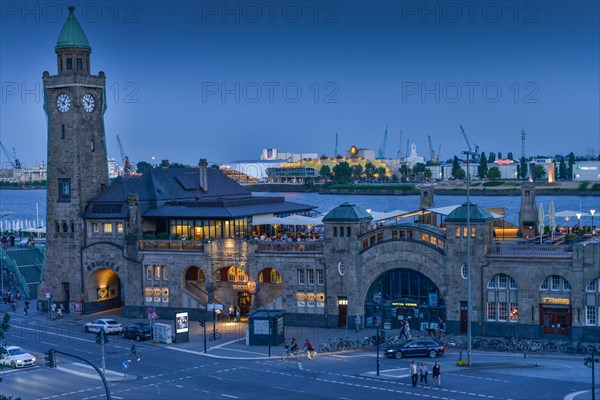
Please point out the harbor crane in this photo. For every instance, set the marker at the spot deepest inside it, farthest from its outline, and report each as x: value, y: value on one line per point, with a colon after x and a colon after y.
x: 12, y: 159
x: 382, y: 149
x: 437, y: 159
x: 124, y: 158
x: 399, y: 155
x: 474, y: 154
x: 431, y: 149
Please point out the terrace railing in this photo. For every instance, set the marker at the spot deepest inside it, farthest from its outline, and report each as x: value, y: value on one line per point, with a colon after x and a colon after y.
x: 289, y: 247
x: 170, y: 245
x: 529, y: 250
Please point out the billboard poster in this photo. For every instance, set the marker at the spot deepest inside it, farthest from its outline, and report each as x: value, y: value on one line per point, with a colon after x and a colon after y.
x: 181, y: 322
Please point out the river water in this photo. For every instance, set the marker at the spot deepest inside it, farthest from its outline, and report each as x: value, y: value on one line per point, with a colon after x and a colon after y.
x: 21, y: 204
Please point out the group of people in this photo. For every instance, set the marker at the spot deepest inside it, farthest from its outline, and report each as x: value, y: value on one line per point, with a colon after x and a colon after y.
x: 286, y: 238
x: 423, y: 372
x: 234, y: 314
x: 294, y: 346
x: 8, y: 241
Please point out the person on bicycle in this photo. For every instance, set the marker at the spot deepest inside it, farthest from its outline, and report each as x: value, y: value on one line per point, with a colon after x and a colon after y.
x: 309, y: 347
x: 293, y: 345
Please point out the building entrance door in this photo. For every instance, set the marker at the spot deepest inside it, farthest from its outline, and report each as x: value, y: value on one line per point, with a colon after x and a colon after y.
x: 464, y: 318
x: 556, y: 320
x: 342, y: 314
x: 244, y: 301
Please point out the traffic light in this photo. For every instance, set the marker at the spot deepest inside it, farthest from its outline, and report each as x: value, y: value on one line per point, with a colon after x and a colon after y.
x: 589, y: 360
x: 50, y: 357
x: 101, y: 337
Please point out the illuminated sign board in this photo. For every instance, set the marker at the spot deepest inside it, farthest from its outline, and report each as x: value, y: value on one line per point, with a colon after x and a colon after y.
x: 553, y: 300
x: 587, y: 168
x: 404, y: 304
x: 181, y: 322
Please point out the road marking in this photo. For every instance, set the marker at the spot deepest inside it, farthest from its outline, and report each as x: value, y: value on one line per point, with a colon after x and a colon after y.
x: 571, y: 396
x: 228, y: 395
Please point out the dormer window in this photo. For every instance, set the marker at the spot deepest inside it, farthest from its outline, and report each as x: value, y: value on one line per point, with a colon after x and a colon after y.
x: 69, y: 64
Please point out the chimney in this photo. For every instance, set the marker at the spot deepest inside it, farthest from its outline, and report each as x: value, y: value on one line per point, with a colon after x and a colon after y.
x: 203, y: 166
x: 165, y: 164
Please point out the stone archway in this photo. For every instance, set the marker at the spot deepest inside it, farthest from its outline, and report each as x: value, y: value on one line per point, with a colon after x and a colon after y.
x: 399, y: 295
x: 195, y: 283
x: 103, y: 291
x: 269, y: 288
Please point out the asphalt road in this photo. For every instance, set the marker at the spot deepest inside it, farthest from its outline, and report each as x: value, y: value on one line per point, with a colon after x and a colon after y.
x: 182, y: 371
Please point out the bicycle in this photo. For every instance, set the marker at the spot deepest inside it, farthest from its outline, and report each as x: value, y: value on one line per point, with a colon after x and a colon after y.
x: 216, y: 335
x: 288, y: 354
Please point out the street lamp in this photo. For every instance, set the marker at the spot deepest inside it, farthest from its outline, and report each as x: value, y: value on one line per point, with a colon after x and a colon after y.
x: 578, y: 215
x: 592, y: 212
x: 469, y: 311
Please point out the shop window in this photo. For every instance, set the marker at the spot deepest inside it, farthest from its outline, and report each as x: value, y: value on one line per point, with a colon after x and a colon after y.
x: 491, y: 311
x: 301, y: 278
x: 590, y: 316
x: 514, y: 312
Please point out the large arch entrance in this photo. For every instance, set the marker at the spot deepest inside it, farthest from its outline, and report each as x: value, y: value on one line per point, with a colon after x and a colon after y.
x: 401, y: 295
x: 104, y: 291
x: 269, y: 288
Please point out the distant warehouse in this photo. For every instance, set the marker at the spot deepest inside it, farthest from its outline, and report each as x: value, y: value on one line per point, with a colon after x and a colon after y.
x: 586, y: 171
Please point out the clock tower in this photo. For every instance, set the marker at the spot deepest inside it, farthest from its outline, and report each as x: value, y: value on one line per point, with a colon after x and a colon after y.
x: 74, y: 102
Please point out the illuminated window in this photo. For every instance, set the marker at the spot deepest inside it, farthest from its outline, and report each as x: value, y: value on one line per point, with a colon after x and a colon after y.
x: 157, y: 272
x: 119, y: 228
x: 457, y: 232
x: 107, y: 227
x: 514, y: 312
x: 275, y: 276
x: 472, y: 232
x: 149, y: 272
x: 491, y: 311
x: 465, y: 231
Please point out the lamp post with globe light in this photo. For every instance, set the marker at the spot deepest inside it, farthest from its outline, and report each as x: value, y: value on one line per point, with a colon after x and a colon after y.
x: 592, y: 212
x: 578, y: 215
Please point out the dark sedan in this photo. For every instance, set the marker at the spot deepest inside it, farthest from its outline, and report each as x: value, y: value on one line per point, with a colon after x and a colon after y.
x: 416, y: 348
x: 137, y: 331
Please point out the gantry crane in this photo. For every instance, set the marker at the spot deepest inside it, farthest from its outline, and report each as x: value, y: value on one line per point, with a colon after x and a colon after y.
x: 382, y: 149
x: 431, y: 149
x: 124, y: 158
x: 12, y: 159
x: 474, y: 155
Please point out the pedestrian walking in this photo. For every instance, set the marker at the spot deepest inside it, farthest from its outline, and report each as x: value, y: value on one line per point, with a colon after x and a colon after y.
x: 26, y: 307
x: 133, y: 352
x: 53, y: 311
x: 407, y: 330
x: 436, y: 375
x: 423, y: 372
x: 231, y: 313
x: 403, y: 331
x: 414, y: 373
x: 238, y: 314
x: 357, y: 322
x: 440, y: 327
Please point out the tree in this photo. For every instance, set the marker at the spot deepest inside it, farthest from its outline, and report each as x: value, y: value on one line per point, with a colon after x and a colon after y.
x: 540, y: 172
x: 499, y: 155
x: 562, y: 169
x: 427, y: 174
x: 381, y: 174
x: 342, y: 173
x: 216, y: 166
x: 325, y: 172
x: 369, y: 170
x: 394, y: 178
x: 455, y: 168
x: 460, y: 174
x: 143, y: 166
x: 492, y: 157
x: 357, y: 171
x: 510, y: 155
x: 571, y: 158
x: 493, y: 173
x: 523, y: 168
x: 404, y: 171
x: 482, y: 169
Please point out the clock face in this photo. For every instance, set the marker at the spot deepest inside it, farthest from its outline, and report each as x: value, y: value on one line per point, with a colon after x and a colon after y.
x: 88, y: 102
x: 63, y: 102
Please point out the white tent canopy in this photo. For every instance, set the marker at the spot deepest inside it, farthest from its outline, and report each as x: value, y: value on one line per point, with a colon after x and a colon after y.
x: 378, y: 215
x: 35, y: 230
x: 445, y: 211
x: 290, y: 220
x: 570, y: 213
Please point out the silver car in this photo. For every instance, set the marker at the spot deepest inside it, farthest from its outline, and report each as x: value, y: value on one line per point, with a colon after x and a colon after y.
x: 107, y: 325
x: 16, y: 357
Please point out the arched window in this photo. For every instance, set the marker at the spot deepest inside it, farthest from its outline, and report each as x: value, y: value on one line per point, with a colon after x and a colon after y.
x: 275, y: 276
x: 502, y: 304
x: 237, y: 275
x: 555, y: 283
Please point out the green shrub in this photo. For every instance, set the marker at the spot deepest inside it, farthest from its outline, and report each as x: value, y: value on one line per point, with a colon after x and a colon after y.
x: 493, y: 183
x: 583, y: 185
x: 595, y: 187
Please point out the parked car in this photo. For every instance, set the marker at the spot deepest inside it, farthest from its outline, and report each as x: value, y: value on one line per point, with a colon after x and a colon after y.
x: 416, y: 348
x: 108, y: 325
x: 137, y: 331
x: 16, y: 357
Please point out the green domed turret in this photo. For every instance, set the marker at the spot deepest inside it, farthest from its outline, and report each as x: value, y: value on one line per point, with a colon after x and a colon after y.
x: 72, y: 35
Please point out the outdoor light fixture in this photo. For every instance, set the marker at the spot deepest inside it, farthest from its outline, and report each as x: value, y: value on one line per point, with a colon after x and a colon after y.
x: 592, y: 212
x: 578, y: 215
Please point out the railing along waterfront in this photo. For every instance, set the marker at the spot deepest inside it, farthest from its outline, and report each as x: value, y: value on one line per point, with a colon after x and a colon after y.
x: 530, y: 250
x: 415, y: 233
x: 171, y: 245
x: 288, y: 247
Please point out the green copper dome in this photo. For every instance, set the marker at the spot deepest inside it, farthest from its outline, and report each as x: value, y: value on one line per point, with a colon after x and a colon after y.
x: 72, y: 35
x: 347, y: 213
x: 476, y: 214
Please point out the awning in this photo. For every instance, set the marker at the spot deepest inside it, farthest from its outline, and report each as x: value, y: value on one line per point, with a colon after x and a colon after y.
x: 290, y: 220
x: 379, y: 216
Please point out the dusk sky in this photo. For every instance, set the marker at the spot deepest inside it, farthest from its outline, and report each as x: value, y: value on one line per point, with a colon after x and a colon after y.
x: 223, y: 80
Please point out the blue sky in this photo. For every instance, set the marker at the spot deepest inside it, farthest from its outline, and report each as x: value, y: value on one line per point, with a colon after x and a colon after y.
x: 222, y: 80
